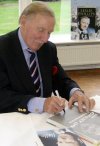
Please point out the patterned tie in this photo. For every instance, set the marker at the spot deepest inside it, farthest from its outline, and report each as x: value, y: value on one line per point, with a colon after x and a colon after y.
x: 34, y: 73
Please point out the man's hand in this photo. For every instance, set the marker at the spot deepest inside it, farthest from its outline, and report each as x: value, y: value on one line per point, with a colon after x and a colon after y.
x: 54, y: 104
x: 82, y: 100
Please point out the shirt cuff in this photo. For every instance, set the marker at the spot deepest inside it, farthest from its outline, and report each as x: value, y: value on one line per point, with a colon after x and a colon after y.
x: 35, y: 105
x: 73, y: 90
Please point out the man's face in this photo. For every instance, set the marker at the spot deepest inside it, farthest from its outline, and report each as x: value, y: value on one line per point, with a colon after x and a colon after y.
x: 36, y: 30
x: 65, y: 139
x: 84, y: 23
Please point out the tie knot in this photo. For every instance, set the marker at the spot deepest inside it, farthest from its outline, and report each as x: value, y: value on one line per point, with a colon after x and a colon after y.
x: 32, y: 54
x: 30, y: 51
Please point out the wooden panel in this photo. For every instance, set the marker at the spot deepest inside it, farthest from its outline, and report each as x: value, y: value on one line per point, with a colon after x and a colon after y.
x: 89, y: 80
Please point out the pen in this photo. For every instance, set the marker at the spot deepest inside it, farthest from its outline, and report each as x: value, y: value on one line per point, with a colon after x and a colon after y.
x: 57, y: 94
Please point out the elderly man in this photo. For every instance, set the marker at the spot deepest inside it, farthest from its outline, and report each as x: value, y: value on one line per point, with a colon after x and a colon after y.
x: 30, y: 70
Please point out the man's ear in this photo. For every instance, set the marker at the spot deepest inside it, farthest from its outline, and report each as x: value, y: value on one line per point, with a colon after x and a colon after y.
x: 22, y: 20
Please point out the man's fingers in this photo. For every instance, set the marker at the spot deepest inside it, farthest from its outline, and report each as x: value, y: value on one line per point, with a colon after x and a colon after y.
x: 54, y: 104
x: 87, y: 105
x: 71, y: 102
x: 92, y: 103
x: 84, y: 103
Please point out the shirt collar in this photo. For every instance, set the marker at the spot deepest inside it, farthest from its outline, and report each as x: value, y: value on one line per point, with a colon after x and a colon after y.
x: 23, y: 44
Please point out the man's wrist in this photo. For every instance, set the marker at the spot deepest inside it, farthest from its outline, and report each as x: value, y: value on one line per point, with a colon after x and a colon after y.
x: 80, y: 91
x: 75, y: 89
x: 35, y: 105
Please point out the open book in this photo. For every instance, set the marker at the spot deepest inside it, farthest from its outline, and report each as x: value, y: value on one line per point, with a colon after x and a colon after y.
x: 86, y: 125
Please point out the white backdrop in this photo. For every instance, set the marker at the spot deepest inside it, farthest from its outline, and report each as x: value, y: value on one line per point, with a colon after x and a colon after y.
x: 23, y: 4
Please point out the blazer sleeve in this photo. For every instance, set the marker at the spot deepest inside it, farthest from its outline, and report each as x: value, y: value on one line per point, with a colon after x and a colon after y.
x: 11, y: 97
x: 11, y: 100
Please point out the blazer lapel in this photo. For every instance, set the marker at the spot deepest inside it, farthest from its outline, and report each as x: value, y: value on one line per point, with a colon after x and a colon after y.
x: 20, y: 66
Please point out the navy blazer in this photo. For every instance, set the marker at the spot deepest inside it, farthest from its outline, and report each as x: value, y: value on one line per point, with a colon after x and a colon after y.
x: 16, y: 87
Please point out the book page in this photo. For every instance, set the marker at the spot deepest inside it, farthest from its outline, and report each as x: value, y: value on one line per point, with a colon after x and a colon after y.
x: 97, y: 105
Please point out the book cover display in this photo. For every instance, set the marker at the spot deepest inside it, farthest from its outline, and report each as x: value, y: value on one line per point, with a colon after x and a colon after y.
x: 85, y: 21
x: 60, y: 137
x: 86, y: 125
